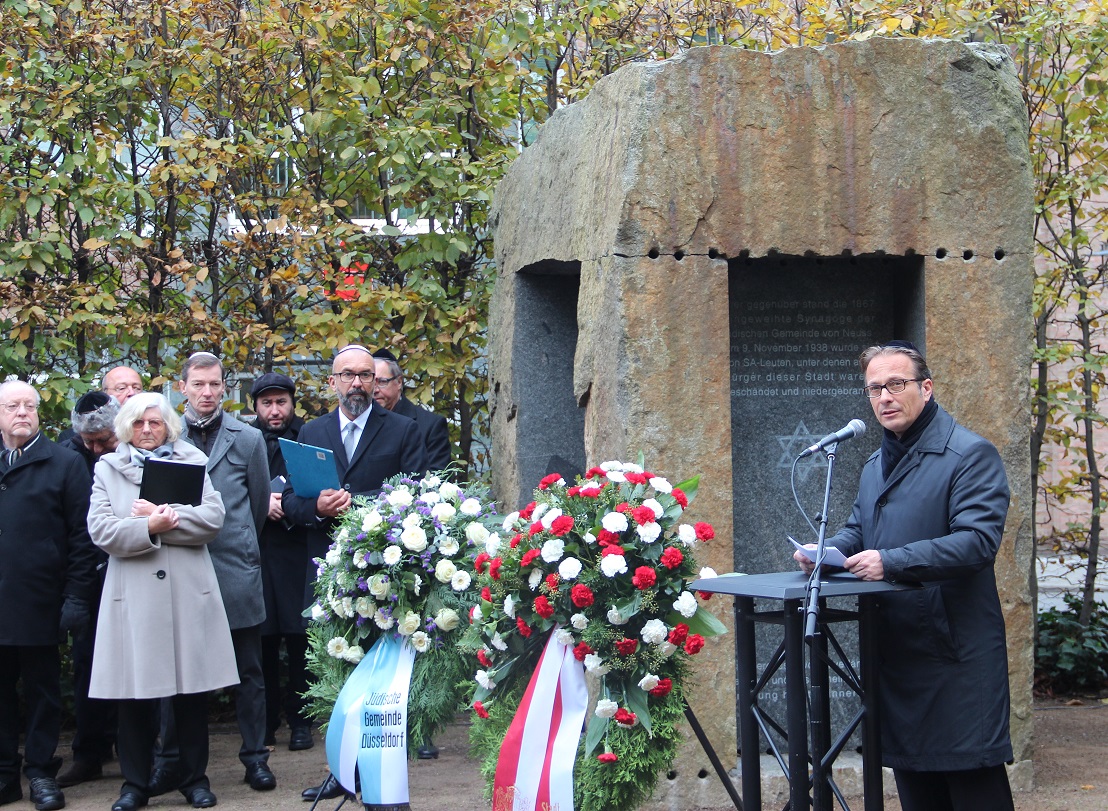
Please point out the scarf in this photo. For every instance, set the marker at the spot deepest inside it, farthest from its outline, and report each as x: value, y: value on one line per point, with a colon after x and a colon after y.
x: 140, y: 455
x: 893, y: 449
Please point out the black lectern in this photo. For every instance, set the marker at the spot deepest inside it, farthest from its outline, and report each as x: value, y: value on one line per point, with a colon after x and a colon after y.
x: 808, y: 739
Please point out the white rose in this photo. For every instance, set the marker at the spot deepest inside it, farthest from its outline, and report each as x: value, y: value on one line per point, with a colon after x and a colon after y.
x: 686, y: 534
x: 365, y: 607
x: 614, y: 522
x: 410, y: 624
x: 648, y: 682
x: 661, y: 485
x: 685, y: 605
x: 337, y: 647
x: 534, y: 579
x: 443, y: 511
x: 649, y: 531
x: 510, y: 521
x: 569, y: 568
x: 492, y: 545
x: 470, y: 506
x: 477, y: 615
x: 654, y: 506
x: 334, y: 555
x: 707, y: 573
x: 615, y: 617
x: 444, y: 571
x: 451, y: 491
x: 414, y: 539
x: 564, y: 637
x: 510, y: 606
x: 594, y: 664
x: 371, y: 521
x: 391, y: 555
x: 549, y: 516
x: 448, y: 546
x: 461, y: 580
x: 553, y: 550
x: 354, y: 654
x: 383, y: 620
x: 348, y: 607
x: 654, y: 632
x: 605, y: 708
x: 579, y: 621
x: 611, y: 565
x: 411, y: 520
x: 498, y: 642
x: 420, y: 641
x: 447, y: 619
x: 379, y: 586
x: 484, y: 680
x: 430, y: 497
x: 400, y: 497
x: 476, y: 532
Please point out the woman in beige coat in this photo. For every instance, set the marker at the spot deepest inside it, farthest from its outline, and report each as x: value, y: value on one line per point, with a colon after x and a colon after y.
x: 162, y: 630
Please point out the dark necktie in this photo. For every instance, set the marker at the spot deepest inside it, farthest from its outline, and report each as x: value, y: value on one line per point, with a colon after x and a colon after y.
x: 13, y: 455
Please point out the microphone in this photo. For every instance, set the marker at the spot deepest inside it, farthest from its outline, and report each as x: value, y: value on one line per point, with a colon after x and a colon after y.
x: 853, y: 428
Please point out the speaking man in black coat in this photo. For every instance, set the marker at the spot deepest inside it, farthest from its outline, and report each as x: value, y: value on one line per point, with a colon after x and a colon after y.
x: 47, y: 571
x: 930, y: 510
x: 284, y: 566
x: 370, y: 445
x: 388, y: 392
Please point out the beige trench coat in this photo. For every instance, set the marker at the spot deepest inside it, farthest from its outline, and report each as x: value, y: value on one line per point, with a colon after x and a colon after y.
x: 162, y: 629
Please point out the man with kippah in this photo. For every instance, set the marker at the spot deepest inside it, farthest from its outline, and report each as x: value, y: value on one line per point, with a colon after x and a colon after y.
x: 930, y: 510
x: 93, y: 420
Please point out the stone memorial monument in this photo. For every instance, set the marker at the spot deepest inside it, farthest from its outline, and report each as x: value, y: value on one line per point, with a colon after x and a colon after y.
x: 691, y: 259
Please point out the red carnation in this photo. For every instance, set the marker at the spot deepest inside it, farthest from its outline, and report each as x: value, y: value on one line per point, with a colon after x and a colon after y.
x: 486, y: 594
x: 561, y: 525
x: 637, y: 478
x: 663, y: 688
x: 642, y: 515
x: 528, y: 558
x: 705, y: 595
x: 623, y: 507
x: 647, y: 475
x: 515, y: 541
x: 480, y: 561
x: 644, y: 577
x: 624, y: 717
x: 494, y: 568
x: 682, y: 499
x: 535, y: 528
x: 607, y: 757
x: 524, y: 628
x: 704, y: 531
x: 693, y: 644
x: 549, y: 480
x: 526, y: 512
x: 573, y: 491
x: 543, y: 607
x: 611, y: 549
x: 483, y: 658
x: 626, y: 647
x: 672, y: 557
x: 479, y: 708
x: 581, y: 595
x: 581, y: 651
x: 605, y: 538
x: 589, y: 492
x: 553, y: 581
x: 596, y: 473
x: 679, y: 634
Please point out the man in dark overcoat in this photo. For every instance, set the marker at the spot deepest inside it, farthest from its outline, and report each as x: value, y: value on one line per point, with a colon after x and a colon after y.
x: 47, y: 571
x: 284, y: 566
x: 930, y: 510
x: 370, y: 444
x: 388, y: 392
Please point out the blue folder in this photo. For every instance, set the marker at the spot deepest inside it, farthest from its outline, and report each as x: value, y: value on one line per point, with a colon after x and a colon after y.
x: 311, y: 470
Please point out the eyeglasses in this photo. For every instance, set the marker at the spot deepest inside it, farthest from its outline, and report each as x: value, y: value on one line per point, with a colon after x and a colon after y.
x: 348, y: 377
x: 153, y: 425
x: 895, y: 386
x: 122, y: 387
x: 384, y: 381
x: 11, y: 408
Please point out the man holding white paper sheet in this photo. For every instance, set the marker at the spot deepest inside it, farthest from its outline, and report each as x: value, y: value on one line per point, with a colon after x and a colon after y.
x: 931, y: 508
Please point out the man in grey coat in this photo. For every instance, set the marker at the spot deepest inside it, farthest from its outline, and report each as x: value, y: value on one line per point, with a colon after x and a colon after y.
x: 239, y: 470
x: 930, y: 510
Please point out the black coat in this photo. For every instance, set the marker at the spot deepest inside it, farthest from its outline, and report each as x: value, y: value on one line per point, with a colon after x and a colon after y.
x: 45, y: 550
x: 390, y: 444
x: 938, y: 521
x: 433, y: 429
x: 284, y: 546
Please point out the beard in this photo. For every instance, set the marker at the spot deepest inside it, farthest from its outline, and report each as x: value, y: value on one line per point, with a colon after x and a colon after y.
x: 354, y: 402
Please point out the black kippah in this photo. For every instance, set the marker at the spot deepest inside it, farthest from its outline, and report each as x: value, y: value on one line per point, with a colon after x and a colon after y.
x: 899, y: 344
x: 91, y: 402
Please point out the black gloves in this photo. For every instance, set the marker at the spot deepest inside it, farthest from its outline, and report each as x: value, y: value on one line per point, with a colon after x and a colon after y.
x: 76, y: 617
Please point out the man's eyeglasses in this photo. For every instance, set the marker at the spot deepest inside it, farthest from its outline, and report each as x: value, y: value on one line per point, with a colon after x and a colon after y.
x: 384, y: 381
x: 895, y: 386
x: 348, y: 377
x: 11, y: 408
x: 122, y: 387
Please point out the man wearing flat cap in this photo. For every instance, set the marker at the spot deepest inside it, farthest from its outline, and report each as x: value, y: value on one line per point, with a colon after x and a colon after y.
x: 284, y: 566
x: 388, y: 392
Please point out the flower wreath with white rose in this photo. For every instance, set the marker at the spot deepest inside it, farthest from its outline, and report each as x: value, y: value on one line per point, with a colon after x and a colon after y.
x: 603, y: 564
x: 400, y: 564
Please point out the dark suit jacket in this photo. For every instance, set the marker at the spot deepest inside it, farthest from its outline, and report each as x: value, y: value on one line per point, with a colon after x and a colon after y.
x: 433, y: 429
x: 390, y: 444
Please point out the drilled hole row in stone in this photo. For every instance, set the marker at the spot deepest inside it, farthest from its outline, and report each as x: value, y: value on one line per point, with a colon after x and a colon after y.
x: 713, y: 253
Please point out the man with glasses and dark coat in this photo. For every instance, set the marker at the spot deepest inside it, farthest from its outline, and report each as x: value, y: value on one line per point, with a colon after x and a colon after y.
x: 370, y: 444
x: 930, y: 510
x: 47, y: 575
x: 388, y: 392
x: 284, y: 565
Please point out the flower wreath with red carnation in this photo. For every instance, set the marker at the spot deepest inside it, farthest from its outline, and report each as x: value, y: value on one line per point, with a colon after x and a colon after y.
x: 603, y: 565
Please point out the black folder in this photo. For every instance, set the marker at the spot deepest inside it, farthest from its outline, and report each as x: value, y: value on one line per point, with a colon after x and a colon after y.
x: 165, y: 481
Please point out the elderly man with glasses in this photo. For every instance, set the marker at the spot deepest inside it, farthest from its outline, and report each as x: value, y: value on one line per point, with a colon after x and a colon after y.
x: 930, y: 510
x: 47, y: 571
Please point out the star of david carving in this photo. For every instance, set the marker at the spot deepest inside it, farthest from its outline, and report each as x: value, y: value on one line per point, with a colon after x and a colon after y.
x: 791, y: 446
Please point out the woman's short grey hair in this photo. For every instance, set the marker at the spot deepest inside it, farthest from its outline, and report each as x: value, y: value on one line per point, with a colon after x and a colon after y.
x: 136, y: 406
x: 98, y: 420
